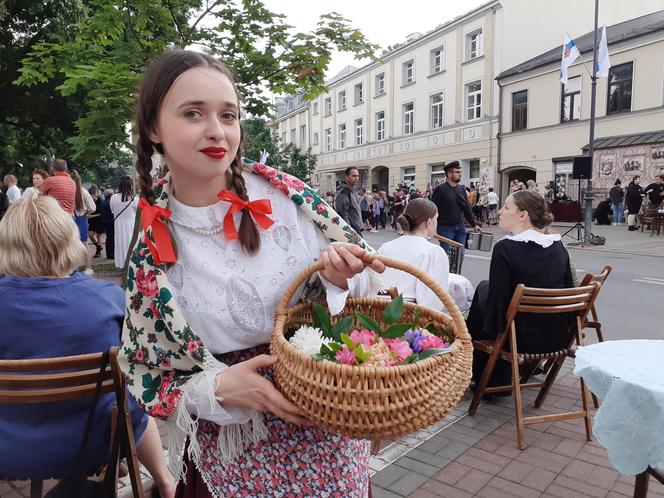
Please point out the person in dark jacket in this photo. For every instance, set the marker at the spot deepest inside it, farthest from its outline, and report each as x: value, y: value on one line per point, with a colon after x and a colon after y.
x: 529, y: 256
x: 617, y: 195
x: 51, y: 310
x: 107, y: 222
x: 452, y: 202
x: 347, y: 201
x: 634, y: 198
x: 655, y: 192
x: 602, y: 212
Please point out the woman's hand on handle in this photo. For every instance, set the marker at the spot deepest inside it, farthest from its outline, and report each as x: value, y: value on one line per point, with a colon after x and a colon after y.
x: 242, y: 386
x: 342, y: 260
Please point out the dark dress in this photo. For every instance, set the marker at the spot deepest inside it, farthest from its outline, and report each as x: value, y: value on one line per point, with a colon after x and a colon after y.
x: 602, y: 212
x: 514, y: 263
x: 94, y: 224
x: 49, y: 317
x: 633, y: 198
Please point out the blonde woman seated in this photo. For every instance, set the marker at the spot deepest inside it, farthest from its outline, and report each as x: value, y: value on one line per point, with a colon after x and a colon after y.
x: 419, y: 221
x: 49, y: 310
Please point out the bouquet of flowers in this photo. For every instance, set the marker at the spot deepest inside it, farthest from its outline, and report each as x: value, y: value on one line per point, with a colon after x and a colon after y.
x: 359, y: 340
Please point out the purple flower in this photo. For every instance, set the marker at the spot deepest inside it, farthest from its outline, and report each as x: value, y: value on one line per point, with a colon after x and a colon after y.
x: 414, y: 338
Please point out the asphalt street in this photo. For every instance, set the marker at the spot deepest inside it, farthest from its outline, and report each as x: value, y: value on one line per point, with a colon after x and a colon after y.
x: 630, y: 304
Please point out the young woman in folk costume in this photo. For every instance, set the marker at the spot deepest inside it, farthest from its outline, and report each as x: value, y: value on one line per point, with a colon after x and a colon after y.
x: 220, y: 243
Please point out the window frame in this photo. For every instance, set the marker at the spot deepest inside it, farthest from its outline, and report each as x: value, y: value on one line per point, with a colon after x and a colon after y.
x: 359, y: 131
x: 519, y: 112
x: 303, y: 134
x: 441, y: 104
x: 432, y: 56
x: 404, y: 76
x: 328, y: 139
x: 327, y: 105
x: 381, y: 77
x: 573, y: 95
x: 341, y: 97
x: 620, y: 83
x: 476, y: 106
x: 315, y: 109
x: 479, y: 47
x: 411, y: 119
x: 360, y: 100
x: 342, y: 135
x: 380, y: 126
x: 315, y: 138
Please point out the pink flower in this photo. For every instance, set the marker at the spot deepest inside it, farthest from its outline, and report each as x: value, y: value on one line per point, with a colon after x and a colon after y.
x: 166, y: 362
x: 155, y: 311
x: 401, y: 348
x: 309, y: 199
x: 293, y: 182
x: 364, y: 336
x: 193, y: 346
x: 139, y: 355
x: 259, y: 168
x: 346, y: 356
x: 147, y: 283
x: 320, y: 208
x: 431, y: 341
x: 159, y: 411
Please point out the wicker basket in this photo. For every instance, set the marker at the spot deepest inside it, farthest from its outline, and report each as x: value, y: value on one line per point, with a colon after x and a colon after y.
x: 369, y: 402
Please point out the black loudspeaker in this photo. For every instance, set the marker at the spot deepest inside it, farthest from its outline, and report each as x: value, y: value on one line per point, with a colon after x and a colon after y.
x: 582, y: 168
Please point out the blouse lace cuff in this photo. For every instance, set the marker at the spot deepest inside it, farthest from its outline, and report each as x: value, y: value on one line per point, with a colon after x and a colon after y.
x: 358, y: 285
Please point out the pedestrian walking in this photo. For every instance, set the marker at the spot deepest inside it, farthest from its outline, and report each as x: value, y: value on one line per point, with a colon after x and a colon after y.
x: 107, y: 224
x: 95, y: 227
x: 83, y: 206
x: 123, y: 205
x: 617, y: 195
x: 38, y: 177
x: 347, y: 201
x: 634, y: 198
x: 492, y: 206
x: 452, y: 203
x: 365, y: 203
x: 199, y: 322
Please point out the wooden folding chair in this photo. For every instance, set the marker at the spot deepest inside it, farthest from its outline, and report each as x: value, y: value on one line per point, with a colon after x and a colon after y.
x: 453, y: 251
x: 50, y: 380
x: 599, y: 278
x: 577, y: 300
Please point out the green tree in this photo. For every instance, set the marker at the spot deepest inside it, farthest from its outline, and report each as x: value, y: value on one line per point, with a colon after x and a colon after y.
x: 287, y: 157
x: 117, y: 38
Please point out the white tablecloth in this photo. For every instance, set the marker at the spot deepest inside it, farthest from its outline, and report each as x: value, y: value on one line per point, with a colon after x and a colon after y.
x: 628, y: 376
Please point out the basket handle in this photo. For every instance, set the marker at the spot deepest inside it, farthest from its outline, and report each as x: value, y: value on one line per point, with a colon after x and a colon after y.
x: 460, y: 331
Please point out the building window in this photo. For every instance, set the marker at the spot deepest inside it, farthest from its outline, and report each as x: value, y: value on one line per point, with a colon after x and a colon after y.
x: 437, y: 60
x: 408, y: 118
x: 342, y: 100
x: 380, y: 125
x: 303, y: 134
x: 380, y: 84
x: 474, y: 44
x: 570, y: 103
x: 437, y: 174
x: 620, y: 89
x: 408, y: 174
x: 359, y: 93
x: 328, y: 139
x: 437, y: 110
x: 342, y: 136
x: 520, y: 110
x: 474, y: 168
x: 283, y: 138
x: 315, y: 108
x: 408, y: 72
x: 328, y: 106
x: 292, y: 135
x: 315, y: 138
x: 474, y: 100
x: 359, y: 132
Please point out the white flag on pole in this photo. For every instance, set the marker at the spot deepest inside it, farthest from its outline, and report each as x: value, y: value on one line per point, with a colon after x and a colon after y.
x: 603, y: 63
x: 570, y: 54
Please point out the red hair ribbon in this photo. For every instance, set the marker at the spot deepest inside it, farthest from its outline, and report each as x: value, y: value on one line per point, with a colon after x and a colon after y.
x: 259, y: 210
x: 151, y: 217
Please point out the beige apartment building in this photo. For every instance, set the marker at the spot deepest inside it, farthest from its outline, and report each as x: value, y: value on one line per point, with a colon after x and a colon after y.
x: 435, y: 98
x: 544, y: 124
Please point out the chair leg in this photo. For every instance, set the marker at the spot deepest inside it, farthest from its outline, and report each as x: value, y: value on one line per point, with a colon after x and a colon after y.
x: 516, y: 392
x: 586, y: 410
x: 36, y: 488
x: 548, y: 382
x: 484, y: 381
x: 528, y: 369
x: 131, y: 454
x: 641, y: 485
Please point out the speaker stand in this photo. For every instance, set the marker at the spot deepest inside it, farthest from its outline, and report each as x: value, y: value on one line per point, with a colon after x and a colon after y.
x: 579, y: 238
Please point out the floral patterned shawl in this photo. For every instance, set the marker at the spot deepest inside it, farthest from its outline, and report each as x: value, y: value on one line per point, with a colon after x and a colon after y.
x: 160, y: 352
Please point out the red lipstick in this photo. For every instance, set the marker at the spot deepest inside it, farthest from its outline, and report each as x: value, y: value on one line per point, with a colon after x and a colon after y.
x: 214, y: 152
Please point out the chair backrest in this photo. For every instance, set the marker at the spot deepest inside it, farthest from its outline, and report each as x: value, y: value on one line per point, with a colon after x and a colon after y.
x: 549, y: 301
x: 453, y: 251
x: 48, y: 380
x: 599, y: 278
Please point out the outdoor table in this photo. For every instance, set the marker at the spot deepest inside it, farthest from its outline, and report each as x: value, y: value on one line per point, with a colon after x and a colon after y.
x: 628, y: 376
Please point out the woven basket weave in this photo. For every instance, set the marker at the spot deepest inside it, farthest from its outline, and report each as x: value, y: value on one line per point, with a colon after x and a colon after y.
x: 367, y: 402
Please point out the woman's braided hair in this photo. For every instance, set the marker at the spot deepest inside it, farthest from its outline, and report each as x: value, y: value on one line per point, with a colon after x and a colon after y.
x: 158, y: 80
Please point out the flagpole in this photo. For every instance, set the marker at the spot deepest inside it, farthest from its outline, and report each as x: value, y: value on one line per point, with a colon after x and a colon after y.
x: 589, y: 194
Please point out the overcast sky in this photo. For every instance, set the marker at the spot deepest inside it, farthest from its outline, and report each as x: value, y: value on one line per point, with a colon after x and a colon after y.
x: 377, y: 20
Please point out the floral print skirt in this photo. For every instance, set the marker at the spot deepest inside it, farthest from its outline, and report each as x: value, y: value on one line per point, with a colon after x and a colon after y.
x: 292, y: 462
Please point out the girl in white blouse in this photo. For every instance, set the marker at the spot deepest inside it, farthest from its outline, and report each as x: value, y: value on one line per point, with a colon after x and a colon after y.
x: 419, y: 221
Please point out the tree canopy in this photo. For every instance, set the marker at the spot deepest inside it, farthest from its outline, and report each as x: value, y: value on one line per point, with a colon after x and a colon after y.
x: 109, y: 43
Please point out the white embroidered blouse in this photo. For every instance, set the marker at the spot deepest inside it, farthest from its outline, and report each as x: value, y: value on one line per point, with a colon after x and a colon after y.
x: 229, y: 298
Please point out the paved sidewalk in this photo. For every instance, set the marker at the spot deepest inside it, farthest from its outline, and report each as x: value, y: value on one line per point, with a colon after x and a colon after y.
x: 477, y: 456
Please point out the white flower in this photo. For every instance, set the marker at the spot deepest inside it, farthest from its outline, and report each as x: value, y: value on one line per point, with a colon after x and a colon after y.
x: 308, y: 339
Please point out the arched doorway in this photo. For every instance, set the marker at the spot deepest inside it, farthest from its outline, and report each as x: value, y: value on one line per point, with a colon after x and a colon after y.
x: 520, y: 173
x: 380, y: 178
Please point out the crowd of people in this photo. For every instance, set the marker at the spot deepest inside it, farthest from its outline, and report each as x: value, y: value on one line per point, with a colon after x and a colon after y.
x: 629, y: 202
x: 105, y: 219
x: 218, y: 249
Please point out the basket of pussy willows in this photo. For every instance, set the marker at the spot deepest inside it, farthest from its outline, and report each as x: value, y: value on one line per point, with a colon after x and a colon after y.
x: 381, y: 368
